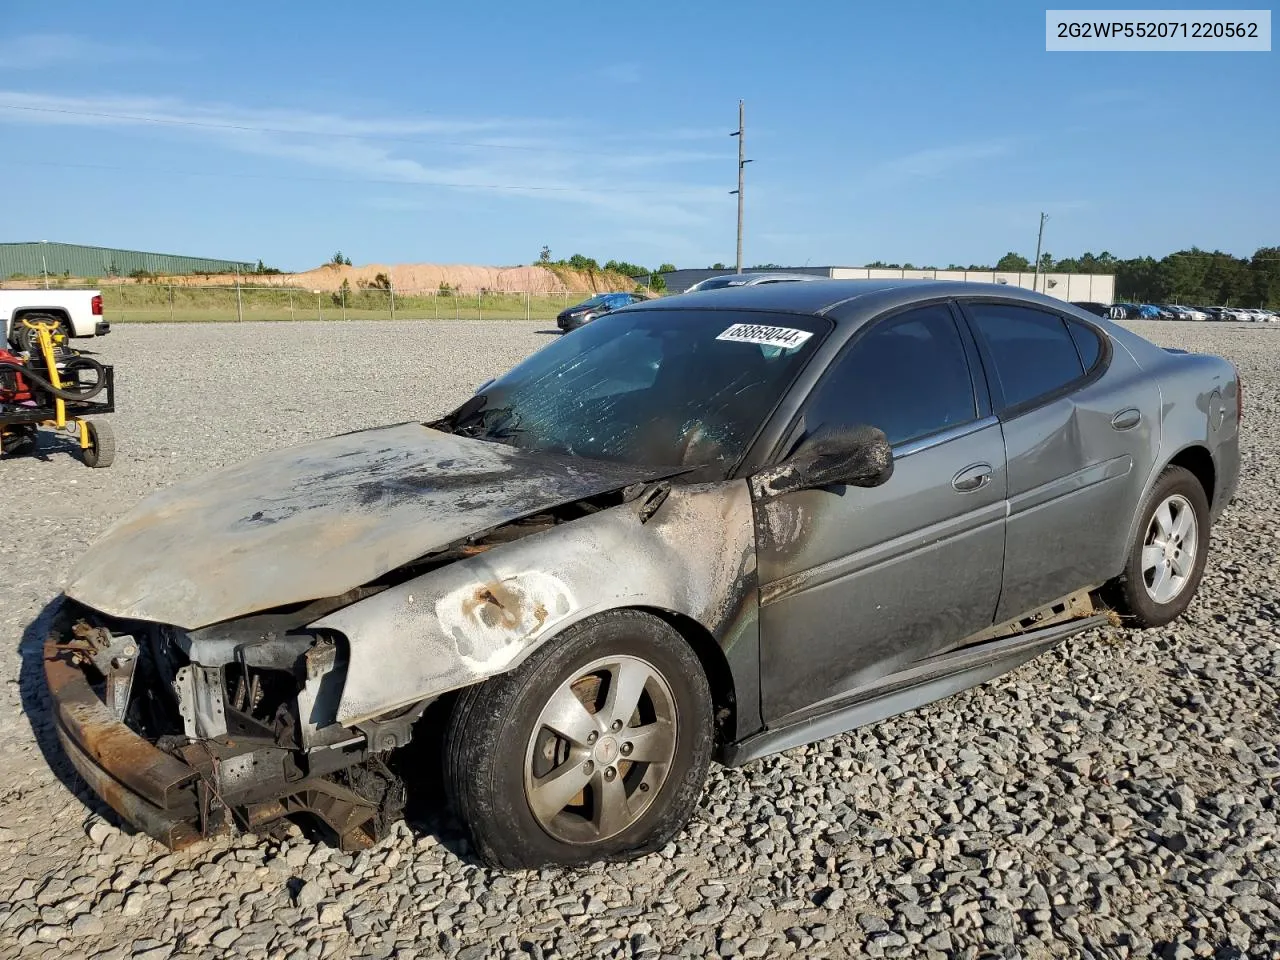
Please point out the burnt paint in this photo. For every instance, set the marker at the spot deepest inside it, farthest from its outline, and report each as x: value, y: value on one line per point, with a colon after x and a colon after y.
x: 318, y: 520
x: 480, y: 616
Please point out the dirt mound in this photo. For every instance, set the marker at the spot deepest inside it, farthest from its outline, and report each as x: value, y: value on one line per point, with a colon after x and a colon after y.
x: 411, y: 278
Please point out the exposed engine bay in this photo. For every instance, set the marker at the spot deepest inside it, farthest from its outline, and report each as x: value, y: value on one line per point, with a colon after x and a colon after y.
x: 245, y: 710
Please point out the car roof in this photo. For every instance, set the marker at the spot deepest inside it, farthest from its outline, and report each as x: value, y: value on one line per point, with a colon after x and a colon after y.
x: 842, y: 300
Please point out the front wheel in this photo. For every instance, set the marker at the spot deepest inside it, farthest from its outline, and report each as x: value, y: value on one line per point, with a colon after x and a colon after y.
x: 1167, y: 557
x: 594, y: 748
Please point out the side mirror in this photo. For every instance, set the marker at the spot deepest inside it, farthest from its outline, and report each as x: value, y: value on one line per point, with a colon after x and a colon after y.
x: 857, y: 457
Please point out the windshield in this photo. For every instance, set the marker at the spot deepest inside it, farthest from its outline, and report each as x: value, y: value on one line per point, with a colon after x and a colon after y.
x: 595, y: 301
x: 715, y: 283
x: 681, y: 388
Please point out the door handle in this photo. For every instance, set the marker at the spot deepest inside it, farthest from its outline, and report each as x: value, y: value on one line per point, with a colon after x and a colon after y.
x: 1127, y: 419
x: 973, y: 477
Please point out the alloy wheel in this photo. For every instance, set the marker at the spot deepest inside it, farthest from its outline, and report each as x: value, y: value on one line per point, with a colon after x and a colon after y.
x: 601, y: 750
x: 1169, y: 549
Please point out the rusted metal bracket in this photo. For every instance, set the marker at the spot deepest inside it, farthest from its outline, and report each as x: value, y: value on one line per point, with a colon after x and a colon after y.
x: 1074, y: 606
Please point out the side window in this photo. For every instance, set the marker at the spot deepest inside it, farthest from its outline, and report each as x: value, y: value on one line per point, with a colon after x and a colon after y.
x: 907, y: 375
x: 1032, y: 351
x: 1087, y: 343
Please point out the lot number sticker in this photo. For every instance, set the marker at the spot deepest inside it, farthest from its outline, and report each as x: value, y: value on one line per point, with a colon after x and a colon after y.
x: 787, y: 337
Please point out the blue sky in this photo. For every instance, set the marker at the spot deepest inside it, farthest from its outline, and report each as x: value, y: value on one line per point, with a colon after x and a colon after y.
x: 475, y: 133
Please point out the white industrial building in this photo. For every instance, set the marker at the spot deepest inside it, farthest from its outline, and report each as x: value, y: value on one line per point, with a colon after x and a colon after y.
x: 1090, y: 287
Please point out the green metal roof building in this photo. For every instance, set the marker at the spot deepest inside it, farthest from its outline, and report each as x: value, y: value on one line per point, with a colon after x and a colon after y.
x: 36, y: 259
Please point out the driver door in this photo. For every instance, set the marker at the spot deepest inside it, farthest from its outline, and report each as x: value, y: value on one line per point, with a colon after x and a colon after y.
x: 857, y: 583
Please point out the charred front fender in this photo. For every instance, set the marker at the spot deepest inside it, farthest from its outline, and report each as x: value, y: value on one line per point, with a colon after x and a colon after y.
x: 694, y: 555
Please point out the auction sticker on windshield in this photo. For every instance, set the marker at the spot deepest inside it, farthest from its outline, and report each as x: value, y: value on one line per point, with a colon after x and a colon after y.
x: 766, y: 336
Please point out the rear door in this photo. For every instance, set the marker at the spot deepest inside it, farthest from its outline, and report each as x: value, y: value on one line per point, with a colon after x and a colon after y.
x: 1080, y: 429
x: 857, y: 583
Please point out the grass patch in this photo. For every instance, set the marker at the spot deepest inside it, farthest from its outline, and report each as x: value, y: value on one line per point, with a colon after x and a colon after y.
x: 162, y: 304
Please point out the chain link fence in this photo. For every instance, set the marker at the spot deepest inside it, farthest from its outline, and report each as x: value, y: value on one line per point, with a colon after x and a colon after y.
x: 178, y: 303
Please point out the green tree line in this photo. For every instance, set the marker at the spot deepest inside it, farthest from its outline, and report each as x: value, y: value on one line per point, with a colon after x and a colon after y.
x: 1208, y: 277
x: 590, y: 265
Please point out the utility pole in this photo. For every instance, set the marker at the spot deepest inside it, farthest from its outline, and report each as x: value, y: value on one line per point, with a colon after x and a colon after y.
x: 742, y: 162
x: 1035, y: 284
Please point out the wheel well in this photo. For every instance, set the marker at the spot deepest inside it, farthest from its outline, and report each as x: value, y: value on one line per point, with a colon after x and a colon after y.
x: 54, y: 312
x: 719, y: 676
x: 1200, y: 462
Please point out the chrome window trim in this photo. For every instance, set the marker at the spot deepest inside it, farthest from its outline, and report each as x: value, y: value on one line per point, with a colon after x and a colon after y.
x: 943, y: 436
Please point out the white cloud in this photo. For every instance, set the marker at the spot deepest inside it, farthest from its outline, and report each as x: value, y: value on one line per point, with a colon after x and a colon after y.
x: 550, y: 160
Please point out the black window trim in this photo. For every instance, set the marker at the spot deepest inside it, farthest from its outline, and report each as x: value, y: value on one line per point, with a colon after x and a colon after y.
x: 791, y: 436
x: 1006, y: 412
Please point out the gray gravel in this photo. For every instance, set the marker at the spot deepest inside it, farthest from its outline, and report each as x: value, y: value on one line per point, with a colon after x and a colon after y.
x: 1115, y: 798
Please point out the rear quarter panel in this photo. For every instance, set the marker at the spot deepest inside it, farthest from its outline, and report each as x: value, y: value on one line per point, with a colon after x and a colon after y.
x: 1199, y: 394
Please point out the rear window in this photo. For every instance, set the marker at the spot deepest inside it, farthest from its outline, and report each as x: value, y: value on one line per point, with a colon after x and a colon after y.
x: 1033, y: 353
x: 1087, y: 343
x: 715, y: 283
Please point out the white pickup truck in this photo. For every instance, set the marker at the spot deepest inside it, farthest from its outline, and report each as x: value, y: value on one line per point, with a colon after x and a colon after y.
x: 78, y: 313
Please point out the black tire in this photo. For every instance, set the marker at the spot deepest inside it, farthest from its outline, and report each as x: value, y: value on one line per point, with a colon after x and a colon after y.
x: 491, y: 738
x: 1129, y: 593
x: 25, y: 338
x: 101, y: 451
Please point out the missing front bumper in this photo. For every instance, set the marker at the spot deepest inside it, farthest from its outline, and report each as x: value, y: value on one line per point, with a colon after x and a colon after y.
x: 216, y: 786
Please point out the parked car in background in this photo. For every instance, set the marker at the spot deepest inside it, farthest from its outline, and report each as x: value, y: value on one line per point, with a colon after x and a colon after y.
x: 1097, y: 309
x: 1123, y: 311
x: 747, y: 280
x: 721, y: 525
x: 1149, y: 311
x: 74, y: 313
x: 571, y: 318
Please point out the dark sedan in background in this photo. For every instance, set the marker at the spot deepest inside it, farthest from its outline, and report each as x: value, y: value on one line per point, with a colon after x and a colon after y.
x: 571, y: 318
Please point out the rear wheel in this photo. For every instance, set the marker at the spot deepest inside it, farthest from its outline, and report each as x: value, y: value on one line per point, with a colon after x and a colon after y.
x: 1168, y: 555
x: 594, y: 748
x: 26, y: 338
x: 101, y: 451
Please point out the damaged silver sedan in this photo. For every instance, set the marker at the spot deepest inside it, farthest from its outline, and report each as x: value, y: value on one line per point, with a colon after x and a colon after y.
x: 708, y: 527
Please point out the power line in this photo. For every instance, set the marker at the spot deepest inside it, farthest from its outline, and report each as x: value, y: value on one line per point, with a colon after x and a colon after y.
x: 210, y: 125
x: 4, y: 162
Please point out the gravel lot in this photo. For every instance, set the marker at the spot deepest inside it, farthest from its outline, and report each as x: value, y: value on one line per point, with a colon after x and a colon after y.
x: 1117, y: 797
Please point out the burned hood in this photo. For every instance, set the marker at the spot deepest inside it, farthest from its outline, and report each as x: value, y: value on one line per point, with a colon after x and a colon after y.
x: 319, y: 519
